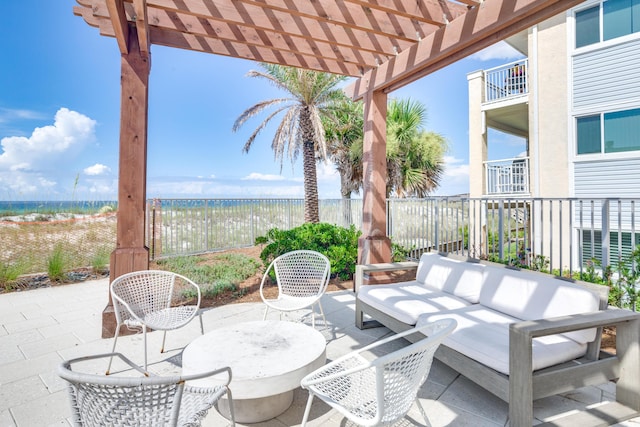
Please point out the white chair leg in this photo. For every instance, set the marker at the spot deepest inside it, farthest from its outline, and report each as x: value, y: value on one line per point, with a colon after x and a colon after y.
x: 113, y: 349
x: 313, y: 316
x: 230, y: 397
x: 144, y: 332
x: 266, y: 310
x: 324, y: 319
x: 201, y: 324
x: 307, y: 410
x: 424, y: 414
x: 164, y: 337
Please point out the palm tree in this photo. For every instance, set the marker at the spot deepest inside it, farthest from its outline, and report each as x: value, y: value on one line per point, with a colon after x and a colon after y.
x: 301, y: 130
x: 414, y: 156
x: 415, y: 162
x: 342, y: 130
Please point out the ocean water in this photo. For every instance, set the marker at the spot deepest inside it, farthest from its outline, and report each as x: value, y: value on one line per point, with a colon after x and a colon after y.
x: 53, y: 206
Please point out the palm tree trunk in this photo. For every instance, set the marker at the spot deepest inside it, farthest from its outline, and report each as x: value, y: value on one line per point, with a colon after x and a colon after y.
x: 311, y: 212
x: 345, y: 191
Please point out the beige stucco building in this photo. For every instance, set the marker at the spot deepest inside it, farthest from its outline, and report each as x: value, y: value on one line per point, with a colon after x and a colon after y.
x: 575, y: 99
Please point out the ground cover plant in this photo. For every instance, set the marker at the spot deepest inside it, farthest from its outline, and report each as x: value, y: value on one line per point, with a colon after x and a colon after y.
x: 216, y: 274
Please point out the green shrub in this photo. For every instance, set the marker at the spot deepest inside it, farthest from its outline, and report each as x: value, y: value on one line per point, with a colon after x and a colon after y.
x: 399, y: 253
x: 9, y: 273
x: 100, y: 260
x: 56, y: 264
x: 337, y: 243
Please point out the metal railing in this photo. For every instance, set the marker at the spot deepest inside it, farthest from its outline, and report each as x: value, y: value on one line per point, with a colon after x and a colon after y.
x: 562, y: 235
x: 507, y: 176
x: 191, y: 226
x: 506, y: 81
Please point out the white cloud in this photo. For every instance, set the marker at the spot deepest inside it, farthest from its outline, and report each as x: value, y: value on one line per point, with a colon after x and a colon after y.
x: 500, y: 50
x: 33, y: 164
x: 456, y: 177
x: 453, y: 168
x: 97, y: 169
x: 12, y: 114
x: 327, y: 172
x: 169, y: 187
x: 256, y: 176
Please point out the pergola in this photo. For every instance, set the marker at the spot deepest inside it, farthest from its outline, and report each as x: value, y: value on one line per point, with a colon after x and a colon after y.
x: 384, y: 44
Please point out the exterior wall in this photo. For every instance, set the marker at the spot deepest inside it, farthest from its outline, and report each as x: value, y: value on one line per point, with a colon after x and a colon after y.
x: 608, y: 178
x: 551, y: 157
x: 606, y: 77
x: 477, y: 135
x: 566, y: 83
x: 477, y: 155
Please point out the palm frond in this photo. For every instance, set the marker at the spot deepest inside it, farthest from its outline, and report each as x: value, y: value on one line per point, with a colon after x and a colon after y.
x: 282, y: 140
x: 256, y: 109
x: 262, y: 125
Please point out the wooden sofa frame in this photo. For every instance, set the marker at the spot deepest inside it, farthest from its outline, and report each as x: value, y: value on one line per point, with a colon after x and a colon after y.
x: 522, y: 386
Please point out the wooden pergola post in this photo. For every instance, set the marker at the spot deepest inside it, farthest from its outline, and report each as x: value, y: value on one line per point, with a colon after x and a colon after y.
x: 374, y: 246
x: 131, y: 254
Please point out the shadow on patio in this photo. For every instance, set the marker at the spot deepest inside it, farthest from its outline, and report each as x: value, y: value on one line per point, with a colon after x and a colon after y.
x: 40, y: 328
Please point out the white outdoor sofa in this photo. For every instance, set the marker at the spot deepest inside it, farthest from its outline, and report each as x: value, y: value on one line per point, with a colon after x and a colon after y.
x: 521, y: 335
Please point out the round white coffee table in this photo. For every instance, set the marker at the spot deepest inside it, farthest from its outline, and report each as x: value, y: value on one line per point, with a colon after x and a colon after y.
x: 267, y: 359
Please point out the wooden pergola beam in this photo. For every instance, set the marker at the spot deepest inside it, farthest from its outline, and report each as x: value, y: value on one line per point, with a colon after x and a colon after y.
x: 171, y: 21
x: 255, y: 53
x: 346, y: 14
x: 283, y: 21
x: 480, y: 27
x: 427, y: 11
x: 142, y: 27
x: 120, y: 24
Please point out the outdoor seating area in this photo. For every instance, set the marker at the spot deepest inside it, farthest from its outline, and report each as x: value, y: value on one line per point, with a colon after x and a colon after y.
x: 510, y: 321
x: 41, y: 328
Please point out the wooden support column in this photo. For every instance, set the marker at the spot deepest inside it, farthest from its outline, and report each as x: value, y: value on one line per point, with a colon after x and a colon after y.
x: 374, y: 246
x: 131, y: 254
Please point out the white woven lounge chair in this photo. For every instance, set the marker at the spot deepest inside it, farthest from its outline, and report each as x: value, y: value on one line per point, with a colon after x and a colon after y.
x: 378, y: 390
x: 302, y: 278
x: 153, y: 299
x: 100, y: 400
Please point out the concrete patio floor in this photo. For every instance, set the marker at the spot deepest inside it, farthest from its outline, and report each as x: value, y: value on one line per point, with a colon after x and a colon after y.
x: 39, y: 328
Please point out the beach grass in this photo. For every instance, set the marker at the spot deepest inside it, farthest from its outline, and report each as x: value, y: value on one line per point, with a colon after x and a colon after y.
x: 52, y: 246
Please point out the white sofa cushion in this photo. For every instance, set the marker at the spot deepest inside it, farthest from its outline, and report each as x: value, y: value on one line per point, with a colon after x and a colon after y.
x: 483, y: 335
x: 530, y: 295
x: 460, y: 278
x: 406, y: 301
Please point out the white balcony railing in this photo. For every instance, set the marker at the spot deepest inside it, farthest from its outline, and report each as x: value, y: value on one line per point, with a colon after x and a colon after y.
x: 507, y: 176
x: 506, y: 81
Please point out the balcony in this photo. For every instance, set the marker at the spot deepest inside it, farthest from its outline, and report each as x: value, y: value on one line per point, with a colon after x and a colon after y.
x: 506, y: 81
x: 507, y: 177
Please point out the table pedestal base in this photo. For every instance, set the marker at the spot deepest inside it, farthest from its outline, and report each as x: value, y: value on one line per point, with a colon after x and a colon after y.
x: 256, y: 410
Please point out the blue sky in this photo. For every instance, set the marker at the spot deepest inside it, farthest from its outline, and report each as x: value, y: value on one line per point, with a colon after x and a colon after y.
x: 59, y: 116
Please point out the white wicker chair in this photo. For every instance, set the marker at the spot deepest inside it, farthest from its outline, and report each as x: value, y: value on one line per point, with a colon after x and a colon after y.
x: 153, y: 299
x: 99, y: 400
x: 302, y: 278
x: 380, y: 389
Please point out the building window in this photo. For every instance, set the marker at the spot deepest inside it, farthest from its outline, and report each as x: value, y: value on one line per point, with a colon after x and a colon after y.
x: 588, y: 26
x: 620, y: 131
x: 619, y: 18
x: 589, y: 135
x: 592, y: 245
